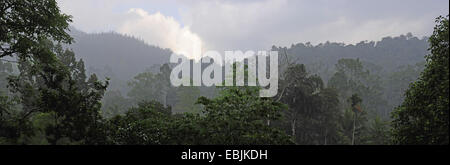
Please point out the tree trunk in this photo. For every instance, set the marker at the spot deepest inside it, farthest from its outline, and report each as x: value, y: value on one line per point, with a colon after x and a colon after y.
x: 293, y: 128
x: 164, y: 97
x: 354, y: 129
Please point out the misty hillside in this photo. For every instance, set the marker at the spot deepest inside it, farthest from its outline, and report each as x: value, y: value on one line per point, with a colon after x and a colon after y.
x: 393, y: 62
x: 119, y: 56
x: 116, y: 56
x: 385, y: 56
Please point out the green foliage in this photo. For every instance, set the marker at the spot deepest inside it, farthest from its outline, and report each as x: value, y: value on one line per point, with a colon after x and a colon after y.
x: 148, y: 124
x: 423, y: 117
x: 359, y: 126
x: 6, y: 69
x: 53, y: 82
x: 186, y: 99
x: 354, y: 100
x: 25, y: 28
x: 148, y: 86
x: 351, y: 78
x: 145, y: 86
x: 7, y: 105
x: 8, y: 120
x: 312, y: 117
x: 25, y: 23
x: 238, y: 116
x: 379, y: 132
x: 398, y: 82
x: 114, y: 104
x: 329, y: 118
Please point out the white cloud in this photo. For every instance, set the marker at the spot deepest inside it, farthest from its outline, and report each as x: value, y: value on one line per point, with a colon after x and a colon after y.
x: 163, y: 31
x: 234, y: 25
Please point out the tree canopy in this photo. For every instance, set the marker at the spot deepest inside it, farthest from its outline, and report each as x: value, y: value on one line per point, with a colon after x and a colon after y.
x: 423, y: 117
x: 25, y: 23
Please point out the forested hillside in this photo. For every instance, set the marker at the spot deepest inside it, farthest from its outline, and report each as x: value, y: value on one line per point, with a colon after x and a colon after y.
x: 391, y: 64
x: 116, y: 56
x: 61, y: 86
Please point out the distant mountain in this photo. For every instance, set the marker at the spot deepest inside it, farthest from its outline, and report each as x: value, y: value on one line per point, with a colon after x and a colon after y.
x: 115, y: 55
x: 381, y: 57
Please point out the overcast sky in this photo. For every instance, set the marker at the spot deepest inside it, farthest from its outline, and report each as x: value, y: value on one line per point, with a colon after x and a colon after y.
x: 254, y: 24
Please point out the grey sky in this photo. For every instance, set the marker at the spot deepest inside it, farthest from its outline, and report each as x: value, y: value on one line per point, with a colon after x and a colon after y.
x: 255, y: 24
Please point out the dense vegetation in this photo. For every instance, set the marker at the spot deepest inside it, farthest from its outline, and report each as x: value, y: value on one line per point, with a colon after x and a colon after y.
x: 423, y: 116
x: 330, y: 93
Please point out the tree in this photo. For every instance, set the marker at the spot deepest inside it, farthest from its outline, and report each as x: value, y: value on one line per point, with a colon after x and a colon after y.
x: 398, y: 82
x: 352, y: 78
x: 300, y: 94
x: 149, y: 86
x: 6, y: 69
x: 239, y: 115
x: 114, y: 103
x: 7, y: 105
x: 354, y: 128
x: 330, y: 129
x: 186, y: 99
x: 313, y: 113
x: 236, y: 117
x: 8, y: 120
x: 379, y: 132
x: 145, y: 86
x: 147, y: 124
x: 25, y: 23
x: 355, y: 100
x: 53, y: 82
x: 423, y: 117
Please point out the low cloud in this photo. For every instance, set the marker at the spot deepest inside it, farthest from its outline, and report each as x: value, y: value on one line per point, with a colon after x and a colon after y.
x: 164, y: 31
